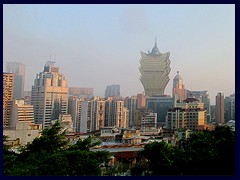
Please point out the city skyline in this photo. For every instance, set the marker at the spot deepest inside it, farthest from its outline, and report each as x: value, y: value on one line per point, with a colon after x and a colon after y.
x: 97, y: 45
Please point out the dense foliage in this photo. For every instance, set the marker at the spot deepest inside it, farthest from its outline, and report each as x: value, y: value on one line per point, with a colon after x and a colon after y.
x: 52, y: 154
x: 204, y: 153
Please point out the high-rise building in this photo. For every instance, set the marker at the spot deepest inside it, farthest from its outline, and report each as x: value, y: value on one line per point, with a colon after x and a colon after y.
x: 75, y: 109
x: 112, y: 90
x: 131, y: 105
x: 21, y: 112
x: 219, y: 109
x: 49, y: 95
x: 203, y: 97
x: 19, y: 77
x: 187, y: 114
x: 178, y: 91
x: 229, y: 107
x: 98, y: 114
x: 160, y: 105
x: 154, y: 69
x: 116, y: 114
x: 8, y: 85
x: 86, y: 117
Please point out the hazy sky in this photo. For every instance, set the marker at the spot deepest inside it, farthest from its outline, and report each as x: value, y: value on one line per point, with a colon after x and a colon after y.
x: 99, y: 45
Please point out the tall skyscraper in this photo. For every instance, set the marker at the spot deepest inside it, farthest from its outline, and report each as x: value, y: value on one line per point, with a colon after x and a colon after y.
x: 112, y: 90
x: 154, y: 69
x: 178, y: 91
x: 219, y: 109
x: 8, y: 85
x: 19, y: 77
x: 49, y: 95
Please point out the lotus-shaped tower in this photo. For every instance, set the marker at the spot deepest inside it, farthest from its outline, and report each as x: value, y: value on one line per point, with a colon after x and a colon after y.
x: 154, y: 69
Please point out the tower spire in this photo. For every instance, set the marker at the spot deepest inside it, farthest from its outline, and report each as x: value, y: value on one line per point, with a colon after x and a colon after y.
x: 156, y: 41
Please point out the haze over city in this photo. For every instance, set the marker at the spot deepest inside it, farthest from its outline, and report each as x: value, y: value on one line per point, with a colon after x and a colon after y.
x: 98, y: 45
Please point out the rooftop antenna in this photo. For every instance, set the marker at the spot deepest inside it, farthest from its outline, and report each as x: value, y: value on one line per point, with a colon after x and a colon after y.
x: 54, y: 57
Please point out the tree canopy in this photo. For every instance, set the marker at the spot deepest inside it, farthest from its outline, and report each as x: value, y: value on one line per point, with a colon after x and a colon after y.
x: 204, y: 153
x: 52, y: 154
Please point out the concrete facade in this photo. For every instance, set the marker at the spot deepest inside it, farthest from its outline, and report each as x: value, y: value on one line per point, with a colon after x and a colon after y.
x: 25, y: 131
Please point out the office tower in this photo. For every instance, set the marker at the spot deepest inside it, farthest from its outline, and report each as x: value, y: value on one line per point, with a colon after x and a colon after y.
x: 49, y: 95
x: 141, y: 101
x: 81, y: 92
x: 187, y: 114
x: 19, y: 77
x: 203, y: 97
x: 154, y: 70
x: 219, y: 109
x: 132, y: 107
x: 229, y: 107
x: 160, y: 105
x: 112, y: 90
x: 75, y: 109
x: 8, y: 86
x: 21, y: 112
x: 178, y: 90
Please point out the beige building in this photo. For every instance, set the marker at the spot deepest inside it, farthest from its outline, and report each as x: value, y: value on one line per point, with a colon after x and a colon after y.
x: 8, y: 85
x: 187, y: 114
x: 21, y: 112
x: 154, y: 69
x: 49, y: 95
x: 25, y: 131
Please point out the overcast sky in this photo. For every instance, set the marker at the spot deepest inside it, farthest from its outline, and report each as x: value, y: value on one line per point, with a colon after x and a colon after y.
x: 99, y: 45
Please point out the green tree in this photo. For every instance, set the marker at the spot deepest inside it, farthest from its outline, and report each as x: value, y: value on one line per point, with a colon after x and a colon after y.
x: 160, y: 157
x: 52, y: 154
x: 204, y: 153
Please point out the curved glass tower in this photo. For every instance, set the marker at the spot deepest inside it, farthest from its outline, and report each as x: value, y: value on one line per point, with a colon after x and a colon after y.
x: 154, y: 69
